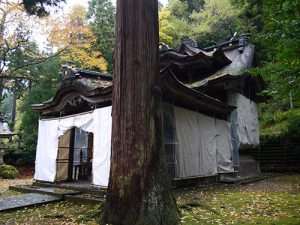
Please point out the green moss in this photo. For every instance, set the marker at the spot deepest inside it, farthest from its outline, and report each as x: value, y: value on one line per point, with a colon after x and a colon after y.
x: 9, y: 172
x: 141, y: 159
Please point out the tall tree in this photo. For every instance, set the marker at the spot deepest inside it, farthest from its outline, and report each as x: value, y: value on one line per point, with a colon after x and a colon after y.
x: 72, y: 35
x: 27, y: 119
x: 16, y: 29
x: 280, y: 43
x: 18, y: 54
x: 39, y: 7
x: 174, y: 22
x: 102, y: 15
x: 204, y: 21
x: 139, y: 188
x: 18, y: 80
x: 215, y: 22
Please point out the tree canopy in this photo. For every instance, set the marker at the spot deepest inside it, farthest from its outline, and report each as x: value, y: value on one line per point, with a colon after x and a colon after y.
x: 40, y: 7
x: 72, y: 35
x: 102, y: 16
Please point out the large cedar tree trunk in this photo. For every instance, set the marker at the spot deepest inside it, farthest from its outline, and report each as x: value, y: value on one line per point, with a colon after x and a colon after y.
x: 139, y: 188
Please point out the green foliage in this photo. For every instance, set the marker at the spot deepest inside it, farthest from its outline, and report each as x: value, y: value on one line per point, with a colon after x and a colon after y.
x: 217, y: 21
x: 102, y: 16
x: 6, y: 106
x: 179, y: 9
x: 202, y: 20
x: 39, y: 7
x: 9, y: 172
x: 171, y: 28
x: 27, y: 117
x: 293, y: 124
x: 280, y: 123
x: 278, y: 53
x: 280, y: 42
x: 195, y: 5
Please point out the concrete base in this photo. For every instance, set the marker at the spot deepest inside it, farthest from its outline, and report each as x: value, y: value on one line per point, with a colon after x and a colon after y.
x: 25, y: 200
x: 58, y: 192
x: 41, y: 195
x: 248, y: 167
x: 80, y: 186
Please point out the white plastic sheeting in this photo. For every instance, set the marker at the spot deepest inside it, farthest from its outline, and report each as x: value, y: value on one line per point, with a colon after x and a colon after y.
x: 46, y: 152
x: 224, y: 146
x: 246, y: 121
x: 102, y: 145
x: 204, y: 144
x: 98, y: 122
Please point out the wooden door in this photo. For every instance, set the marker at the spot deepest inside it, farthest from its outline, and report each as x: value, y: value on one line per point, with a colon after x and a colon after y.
x: 64, y: 168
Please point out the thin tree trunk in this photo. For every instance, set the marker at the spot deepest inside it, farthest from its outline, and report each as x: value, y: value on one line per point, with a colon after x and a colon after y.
x: 14, y: 106
x: 139, y: 188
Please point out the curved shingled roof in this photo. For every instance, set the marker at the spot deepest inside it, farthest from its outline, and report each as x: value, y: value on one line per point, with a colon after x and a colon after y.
x: 174, y: 91
x: 178, y: 93
x: 241, y: 61
x: 192, y: 64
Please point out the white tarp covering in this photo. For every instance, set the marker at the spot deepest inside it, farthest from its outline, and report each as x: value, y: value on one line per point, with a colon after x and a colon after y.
x: 102, y: 145
x: 247, y: 121
x: 46, y: 152
x: 224, y: 146
x: 204, y: 147
x: 98, y: 122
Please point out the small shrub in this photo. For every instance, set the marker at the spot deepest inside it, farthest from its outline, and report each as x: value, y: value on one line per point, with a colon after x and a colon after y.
x: 9, y: 172
x: 294, y: 125
x: 267, y: 119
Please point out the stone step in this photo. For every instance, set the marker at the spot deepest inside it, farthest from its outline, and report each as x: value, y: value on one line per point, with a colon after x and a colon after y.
x: 26, y: 200
x: 75, y: 186
x: 242, y: 180
x: 58, y: 192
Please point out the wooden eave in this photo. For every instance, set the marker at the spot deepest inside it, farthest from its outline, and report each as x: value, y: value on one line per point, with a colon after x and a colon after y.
x: 179, y: 94
x: 68, y: 92
x: 236, y: 83
x: 173, y: 91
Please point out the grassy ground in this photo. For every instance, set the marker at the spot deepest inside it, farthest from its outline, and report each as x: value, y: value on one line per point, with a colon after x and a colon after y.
x: 272, y: 201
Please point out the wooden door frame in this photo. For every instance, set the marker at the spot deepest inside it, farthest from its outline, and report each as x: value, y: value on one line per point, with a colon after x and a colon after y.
x: 71, y: 154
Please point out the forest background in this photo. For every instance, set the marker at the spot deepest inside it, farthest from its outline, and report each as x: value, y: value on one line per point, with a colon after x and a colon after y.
x: 84, y: 39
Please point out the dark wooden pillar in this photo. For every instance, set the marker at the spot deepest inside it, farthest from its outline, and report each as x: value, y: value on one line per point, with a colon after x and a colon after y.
x: 71, y: 154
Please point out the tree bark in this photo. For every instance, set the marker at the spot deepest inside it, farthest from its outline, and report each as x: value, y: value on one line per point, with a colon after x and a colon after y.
x: 14, y: 106
x: 139, y: 188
